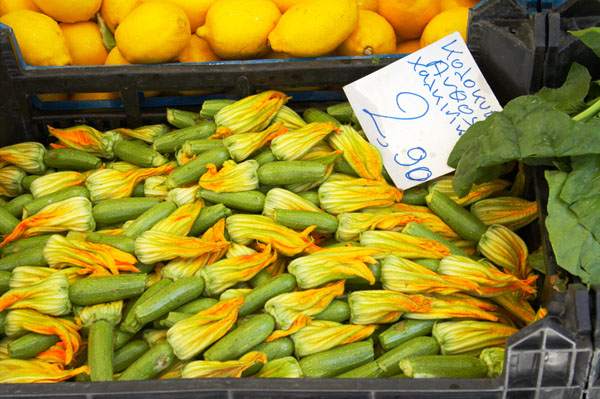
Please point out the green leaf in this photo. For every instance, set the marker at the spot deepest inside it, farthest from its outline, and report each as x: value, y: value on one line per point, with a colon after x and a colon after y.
x: 528, y: 127
x: 570, y: 97
x: 590, y: 37
x: 584, y: 180
x: 108, y: 40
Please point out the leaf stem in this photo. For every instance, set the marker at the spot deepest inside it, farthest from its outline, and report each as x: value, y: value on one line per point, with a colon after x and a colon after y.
x: 588, y: 112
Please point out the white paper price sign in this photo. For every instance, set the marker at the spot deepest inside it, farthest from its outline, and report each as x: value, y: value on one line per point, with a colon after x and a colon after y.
x: 415, y: 109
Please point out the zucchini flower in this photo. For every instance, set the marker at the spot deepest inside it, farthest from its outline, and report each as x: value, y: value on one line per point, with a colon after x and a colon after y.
x: 352, y: 224
x: 146, y: 133
x: 24, y: 276
x: 4, y: 348
x: 231, y: 178
x: 154, y: 186
x: 277, y: 267
x: 182, y: 157
x: 70, y: 214
x: 399, y: 207
x: 109, y: 311
x: 228, y: 369
x: 382, y: 306
x: 279, y: 198
x: 95, y: 259
x: 110, y: 183
x: 173, y: 371
x: 325, y: 158
x: 88, y: 139
x: 469, y: 337
x: 478, y: 191
x: 28, y: 156
x: 13, y: 371
x: 49, y: 296
x: 21, y: 320
x: 403, y: 245
x: 236, y: 250
x: 235, y: 293
x: 184, y: 195
x: 294, y: 310
x: 251, y: 114
x: 244, y: 228
x: 337, y: 196
x: 506, y: 249
x: 402, y: 275
x: 491, y: 281
x: 455, y: 306
x: 285, y: 367
x: 289, y: 117
x: 511, y: 212
x: 361, y: 155
x: 154, y: 337
x: 189, y: 337
x: 228, y: 272
x: 122, y: 166
x: 517, y: 306
x: 155, y: 246
x: 221, y: 133
x: 494, y: 360
x: 333, y: 264
x: 54, y: 182
x: 321, y: 335
x: 10, y: 181
x: 242, y: 145
x: 181, y: 220
x: 294, y: 144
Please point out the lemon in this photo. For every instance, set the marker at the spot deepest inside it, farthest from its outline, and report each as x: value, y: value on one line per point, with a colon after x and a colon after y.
x: 314, y: 27
x: 84, y: 42
x: 7, y: 6
x: 370, y: 5
x: 408, y: 46
x: 448, y: 4
x: 194, y: 9
x: 40, y: 39
x: 197, y: 50
x: 446, y: 22
x: 153, y: 32
x: 283, y: 5
x: 238, y: 29
x: 69, y: 10
x: 115, y: 11
x: 408, y: 17
x: 53, y: 97
x: 373, y: 35
x: 114, y: 57
x: 94, y: 96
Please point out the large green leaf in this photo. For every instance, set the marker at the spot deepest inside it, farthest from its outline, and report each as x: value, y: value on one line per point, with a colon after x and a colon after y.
x: 570, y: 97
x: 590, y: 37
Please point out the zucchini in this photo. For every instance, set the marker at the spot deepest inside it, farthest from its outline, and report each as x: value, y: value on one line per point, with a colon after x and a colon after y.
x: 4, y: 281
x: 8, y: 221
x: 458, y: 218
x: 419, y: 346
x: 211, y: 107
x: 122, y: 338
x: 276, y: 349
x: 169, y: 298
x: 265, y: 157
x: 30, y: 345
x: 149, y: 218
x: 170, y: 142
x: 113, y: 211
x: 311, y: 196
x: 280, y: 173
x: 337, y: 310
x: 171, y: 319
x: 444, y: 366
x: 249, y: 201
x: 430, y: 263
x: 130, y: 323
x: 192, y: 171
x: 343, y: 112
x: 150, y: 364
x: 2, y: 320
x: 28, y: 257
x: 128, y: 354
x: 100, y: 351
x: 256, y: 299
x: 300, y: 220
x: 33, y: 207
x: 15, y: 206
x: 194, y: 147
x: 336, y: 361
x: 404, y: 331
x: 138, y: 154
x: 197, y: 305
x: 26, y: 243
x: 243, y: 338
x: 311, y: 115
x: 369, y: 370
x: 418, y: 230
x: 208, y: 217
x: 182, y: 119
x: 121, y: 242
x: 342, y: 166
x: 260, y: 278
x: 27, y: 180
x: 138, y: 190
x: 91, y: 291
x: 71, y: 159
x: 415, y: 196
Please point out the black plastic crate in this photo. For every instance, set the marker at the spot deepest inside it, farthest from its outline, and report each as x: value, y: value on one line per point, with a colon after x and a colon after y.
x: 594, y: 379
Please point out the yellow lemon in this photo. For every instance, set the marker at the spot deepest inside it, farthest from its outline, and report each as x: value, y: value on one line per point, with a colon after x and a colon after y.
x: 84, y: 42
x: 194, y: 9
x: 408, y: 46
x: 238, y: 29
x: 53, y: 97
x: 115, y: 57
x: 446, y: 22
x: 314, y: 27
x: 370, y: 5
x: 153, y: 32
x: 69, y: 10
x: 197, y: 50
x: 283, y: 5
x: 7, y: 6
x: 448, y: 4
x: 40, y: 39
x: 115, y: 11
x: 94, y: 96
x: 373, y: 35
x: 408, y: 17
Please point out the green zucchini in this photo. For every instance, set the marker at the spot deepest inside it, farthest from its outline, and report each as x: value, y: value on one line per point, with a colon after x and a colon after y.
x: 27, y: 180
x: 2, y: 320
x: 4, y: 281
x: 336, y: 361
x: 430, y: 263
x: 281, y: 347
x: 249, y: 201
x: 342, y: 166
x: 300, y: 220
x: 415, y: 196
x: 100, y: 351
x: 419, y: 346
x: 182, y: 119
x: 157, y: 359
x: 121, y: 242
x: 8, y: 221
x: 170, y: 142
x: 444, y: 366
x: 15, y: 206
x: 337, y: 310
x: 311, y: 196
x: 418, y: 230
x: 128, y: 354
x: 149, y: 218
x: 171, y: 319
x: 122, y: 338
x: 369, y: 370
x: 208, y: 217
x: 33, y: 207
x: 192, y: 171
x: 130, y: 323
x: 26, y: 243
x: 256, y: 299
x: 404, y: 331
x: 195, y: 147
x: 243, y: 338
x: 279, y: 173
x: 91, y: 291
x: 311, y: 115
x: 30, y: 345
x: 28, y: 257
x: 138, y: 190
x: 138, y: 154
x: 211, y: 107
x: 343, y: 112
x: 113, y: 211
x: 71, y: 159
x: 458, y: 218
x: 265, y: 157
x: 260, y: 278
